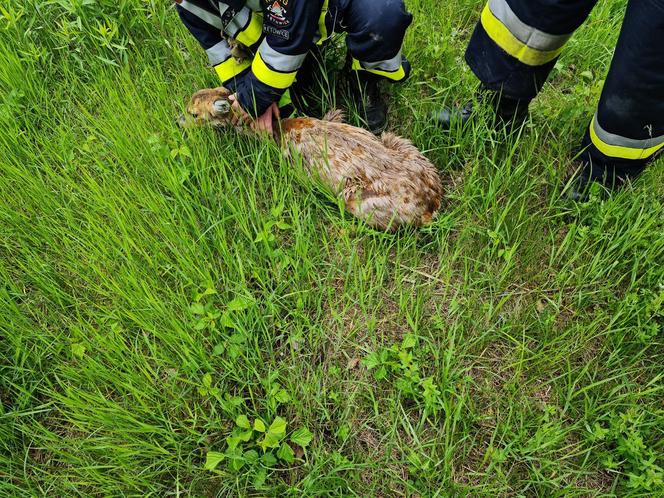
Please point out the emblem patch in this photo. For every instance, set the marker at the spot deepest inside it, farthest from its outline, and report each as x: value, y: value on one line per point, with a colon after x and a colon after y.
x: 277, y: 13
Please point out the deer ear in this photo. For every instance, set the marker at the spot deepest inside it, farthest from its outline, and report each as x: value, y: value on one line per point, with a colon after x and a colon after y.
x: 221, y: 106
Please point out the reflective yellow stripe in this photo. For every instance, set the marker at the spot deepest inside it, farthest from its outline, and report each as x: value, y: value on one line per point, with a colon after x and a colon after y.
x: 619, y: 151
x: 512, y: 45
x: 253, y: 32
x: 531, y: 36
x: 321, y: 23
x: 269, y: 76
x: 397, y: 75
x: 230, y: 68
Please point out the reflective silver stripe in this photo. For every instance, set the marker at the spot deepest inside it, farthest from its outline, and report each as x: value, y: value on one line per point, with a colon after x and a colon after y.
x: 218, y: 53
x: 281, y: 62
x: 223, y: 7
x: 620, y: 141
x: 238, y: 23
x: 208, y: 17
x: 532, y: 37
x: 255, y: 5
x: 389, y: 65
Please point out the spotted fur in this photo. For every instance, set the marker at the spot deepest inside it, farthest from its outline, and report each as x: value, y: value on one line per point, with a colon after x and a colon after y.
x: 386, y: 181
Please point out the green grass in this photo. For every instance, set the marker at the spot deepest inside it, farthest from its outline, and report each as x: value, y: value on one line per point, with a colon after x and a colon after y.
x: 513, y: 348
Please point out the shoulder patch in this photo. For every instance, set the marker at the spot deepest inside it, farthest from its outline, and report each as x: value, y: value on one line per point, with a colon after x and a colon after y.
x: 278, y: 12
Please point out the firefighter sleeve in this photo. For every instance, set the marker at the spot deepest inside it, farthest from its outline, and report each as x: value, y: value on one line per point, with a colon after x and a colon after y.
x: 290, y: 28
x: 206, y: 27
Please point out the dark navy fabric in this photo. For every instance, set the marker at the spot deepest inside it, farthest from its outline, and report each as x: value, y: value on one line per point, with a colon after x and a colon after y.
x: 376, y: 29
x: 632, y: 101
x: 556, y: 17
x: 499, y: 71
x: 207, y: 35
x: 292, y: 36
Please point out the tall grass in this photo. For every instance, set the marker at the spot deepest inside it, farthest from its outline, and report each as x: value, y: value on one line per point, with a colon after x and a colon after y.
x: 513, y: 348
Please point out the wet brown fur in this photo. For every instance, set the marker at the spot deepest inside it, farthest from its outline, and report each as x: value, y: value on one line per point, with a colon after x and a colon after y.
x: 384, y: 181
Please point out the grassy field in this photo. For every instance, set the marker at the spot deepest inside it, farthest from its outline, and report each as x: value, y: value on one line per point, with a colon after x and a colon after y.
x: 186, y: 315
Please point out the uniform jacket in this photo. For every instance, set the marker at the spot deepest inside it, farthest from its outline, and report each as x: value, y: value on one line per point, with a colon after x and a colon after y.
x: 280, y: 32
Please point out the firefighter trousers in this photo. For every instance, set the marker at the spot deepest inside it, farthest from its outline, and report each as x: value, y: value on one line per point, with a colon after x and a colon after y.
x: 517, y: 42
x: 375, y: 33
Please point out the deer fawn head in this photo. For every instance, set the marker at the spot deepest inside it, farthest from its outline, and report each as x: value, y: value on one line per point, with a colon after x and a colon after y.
x: 208, y: 107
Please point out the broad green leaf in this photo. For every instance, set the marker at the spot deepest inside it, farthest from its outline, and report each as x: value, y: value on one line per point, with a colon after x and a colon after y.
x: 233, y: 453
x: 243, y: 421
x: 78, y: 350
x: 259, y: 425
x: 409, y: 341
x: 404, y: 385
x: 236, y: 464
x: 406, y: 358
x: 278, y: 427
x: 269, y: 441
x: 237, y: 338
x: 277, y: 210
x: 202, y: 324
x: 234, y: 400
x: 251, y: 456
x: 229, y: 403
x: 282, y: 396
x: 212, y: 459
x: 226, y: 321
x: 197, y: 309
x: 232, y: 441
x: 598, y: 432
x: 381, y: 373
x: 219, y: 349
x: 207, y: 380
x: 343, y: 432
x: 372, y: 360
x: 269, y: 459
x: 234, y: 351
x: 286, y: 453
x: 246, y: 436
x: 240, y: 303
x: 302, y: 437
x: 259, y: 477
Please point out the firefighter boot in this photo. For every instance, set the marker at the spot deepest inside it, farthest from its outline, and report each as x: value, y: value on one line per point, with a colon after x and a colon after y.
x: 369, y: 101
x: 580, y: 186
x: 508, y: 111
x: 308, y: 90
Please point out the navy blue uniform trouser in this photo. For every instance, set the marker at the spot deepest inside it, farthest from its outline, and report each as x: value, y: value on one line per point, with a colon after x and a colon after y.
x: 375, y: 32
x: 517, y: 42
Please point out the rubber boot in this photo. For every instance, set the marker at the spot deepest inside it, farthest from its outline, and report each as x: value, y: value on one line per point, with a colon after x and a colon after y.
x: 369, y: 101
x: 508, y: 111
x: 308, y: 90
